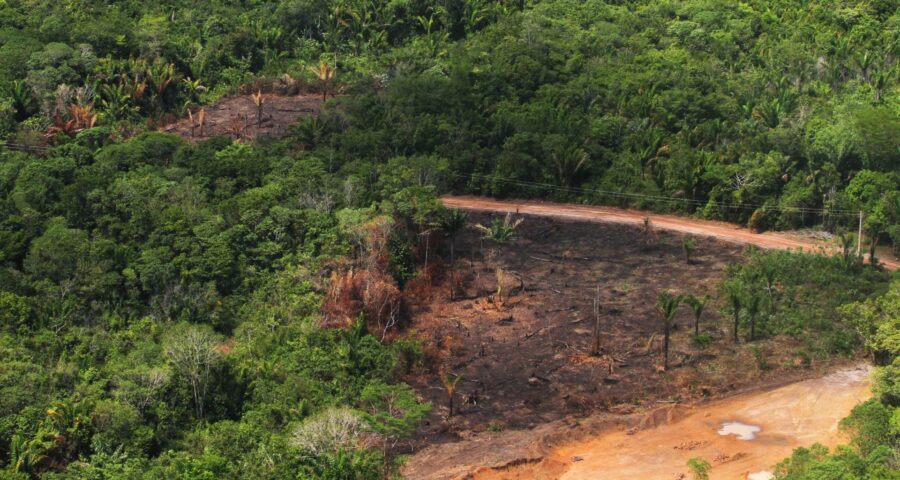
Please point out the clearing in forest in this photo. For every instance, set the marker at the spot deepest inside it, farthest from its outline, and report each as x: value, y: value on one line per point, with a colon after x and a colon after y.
x: 241, y: 117
x: 519, y: 331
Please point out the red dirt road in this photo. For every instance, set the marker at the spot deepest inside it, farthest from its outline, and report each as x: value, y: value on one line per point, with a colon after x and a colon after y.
x: 591, y: 213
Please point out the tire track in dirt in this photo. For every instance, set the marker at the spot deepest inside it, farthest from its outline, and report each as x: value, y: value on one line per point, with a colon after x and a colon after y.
x: 591, y: 213
x: 787, y: 417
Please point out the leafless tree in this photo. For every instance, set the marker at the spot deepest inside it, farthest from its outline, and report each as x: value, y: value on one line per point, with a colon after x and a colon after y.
x: 193, y: 352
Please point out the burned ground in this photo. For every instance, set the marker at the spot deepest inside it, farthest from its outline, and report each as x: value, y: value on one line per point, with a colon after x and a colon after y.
x: 238, y: 117
x: 525, y: 359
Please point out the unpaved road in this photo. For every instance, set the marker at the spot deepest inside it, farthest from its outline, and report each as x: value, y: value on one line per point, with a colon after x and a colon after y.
x: 788, y: 417
x: 590, y: 213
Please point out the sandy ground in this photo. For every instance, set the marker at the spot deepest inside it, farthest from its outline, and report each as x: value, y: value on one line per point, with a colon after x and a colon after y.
x: 720, y: 230
x: 788, y: 417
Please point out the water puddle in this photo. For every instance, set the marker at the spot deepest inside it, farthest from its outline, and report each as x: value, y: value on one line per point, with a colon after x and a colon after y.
x: 764, y: 475
x: 743, y: 431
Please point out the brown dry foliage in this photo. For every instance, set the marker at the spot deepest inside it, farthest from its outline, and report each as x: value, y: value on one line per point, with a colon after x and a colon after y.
x: 365, y: 286
x: 369, y: 292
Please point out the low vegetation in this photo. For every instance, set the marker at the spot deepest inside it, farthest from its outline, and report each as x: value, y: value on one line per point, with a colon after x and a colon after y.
x: 873, y: 425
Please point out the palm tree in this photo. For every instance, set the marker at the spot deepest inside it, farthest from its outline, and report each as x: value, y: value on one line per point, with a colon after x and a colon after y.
x: 259, y: 101
x: 698, y: 305
x: 569, y: 163
x: 751, y: 305
x: 324, y: 73
x: 22, y: 99
x: 450, y: 387
x: 452, y: 223
x: 846, y: 241
x: 667, y: 306
x: 736, y: 299
x: 500, y: 231
x: 688, y: 245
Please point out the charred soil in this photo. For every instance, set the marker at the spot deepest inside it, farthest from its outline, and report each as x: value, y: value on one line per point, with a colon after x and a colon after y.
x: 518, y: 330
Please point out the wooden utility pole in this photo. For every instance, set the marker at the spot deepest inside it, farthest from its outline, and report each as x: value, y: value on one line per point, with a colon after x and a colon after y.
x: 859, y: 235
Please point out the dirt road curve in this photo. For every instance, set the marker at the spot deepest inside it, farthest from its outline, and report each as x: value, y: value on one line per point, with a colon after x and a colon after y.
x: 590, y: 213
x: 788, y: 417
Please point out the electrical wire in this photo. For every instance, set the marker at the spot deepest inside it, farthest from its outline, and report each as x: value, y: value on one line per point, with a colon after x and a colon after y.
x: 659, y: 198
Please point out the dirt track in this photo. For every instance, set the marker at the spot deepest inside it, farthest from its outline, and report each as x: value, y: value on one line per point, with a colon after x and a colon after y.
x: 788, y: 417
x: 720, y: 230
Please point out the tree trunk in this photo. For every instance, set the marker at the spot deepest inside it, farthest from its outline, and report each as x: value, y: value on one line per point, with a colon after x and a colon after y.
x: 872, y: 245
x: 737, y: 322
x: 666, y: 349
x: 452, y: 271
x: 696, y: 326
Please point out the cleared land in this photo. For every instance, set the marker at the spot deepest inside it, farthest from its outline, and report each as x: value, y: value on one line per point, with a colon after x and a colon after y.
x: 720, y: 230
x: 238, y: 117
x: 787, y: 417
x: 524, y: 357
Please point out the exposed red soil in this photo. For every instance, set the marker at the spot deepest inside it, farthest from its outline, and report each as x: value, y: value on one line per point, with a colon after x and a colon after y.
x: 788, y: 417
x: 720, y: 230
x: 237, y: 116
x: 525, y: 360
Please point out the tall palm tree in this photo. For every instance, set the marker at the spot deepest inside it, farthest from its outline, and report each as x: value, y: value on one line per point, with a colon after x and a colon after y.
x: 736, y: 300
x: 23, y: 101
x: 569, y: 162
x: 752, y: 306
x: 500, y: 231
x: 449, y: 383
x: 698, y: 305
x: 453, y: 222
x: 325, y: 74
x: 667, y: 306
x: 846, y: 241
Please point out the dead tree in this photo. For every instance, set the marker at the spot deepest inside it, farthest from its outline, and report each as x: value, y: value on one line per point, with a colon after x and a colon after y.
x: 450, y: 387
x: 259, y: 102
x: 595, y: 346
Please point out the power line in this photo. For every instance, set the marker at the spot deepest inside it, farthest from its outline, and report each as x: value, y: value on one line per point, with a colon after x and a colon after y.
x: 25, y: 148
x: 660, y: 198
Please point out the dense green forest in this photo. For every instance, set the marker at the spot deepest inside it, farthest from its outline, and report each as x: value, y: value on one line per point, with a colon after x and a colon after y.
x: 162, y: 301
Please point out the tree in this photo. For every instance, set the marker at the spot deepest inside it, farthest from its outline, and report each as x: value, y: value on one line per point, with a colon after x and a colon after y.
x: 452, y: 223
x: 877, y: 127
x: 751, y: 305
x: 500, y: 231
x: 391, y: 411
x: 324, y: 74
x: 697, y: 306
x: 735, y: 298
x: 688, y: 244
x: 667, y: 307
x: 596, y: 334
x: 449, y: 382
x: 260, y: 102
x: 846, y: 240
x: 330, y: 431
x: 875, y: 193
x: 193, y: 351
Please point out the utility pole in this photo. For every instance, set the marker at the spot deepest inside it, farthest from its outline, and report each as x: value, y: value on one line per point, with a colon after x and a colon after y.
x: 859, y: 235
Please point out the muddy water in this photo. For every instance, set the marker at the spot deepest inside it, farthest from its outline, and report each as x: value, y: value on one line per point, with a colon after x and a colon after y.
x: 742, y: 437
